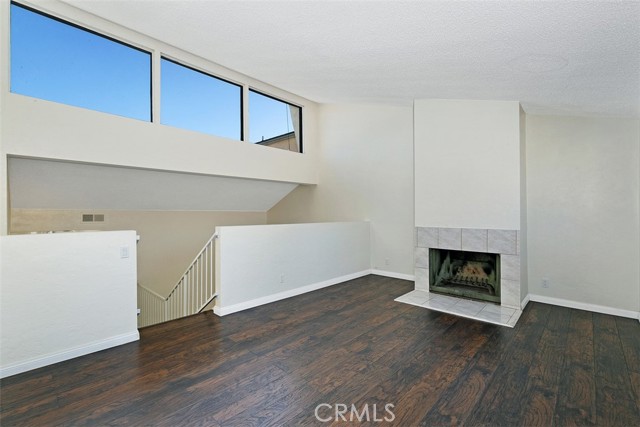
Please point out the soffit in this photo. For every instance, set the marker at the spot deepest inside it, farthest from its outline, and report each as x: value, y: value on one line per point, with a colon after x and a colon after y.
x: 44, y: 184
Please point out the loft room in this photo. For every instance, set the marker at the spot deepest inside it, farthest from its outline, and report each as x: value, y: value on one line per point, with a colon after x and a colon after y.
x: 423, y: 120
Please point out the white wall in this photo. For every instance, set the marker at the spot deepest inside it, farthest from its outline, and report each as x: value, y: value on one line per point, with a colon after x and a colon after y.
x: 263, y: 263
x: 583, y: 210
x: 467, y: 164
x: 365, y: 173
x: 42, y: 184
x: 63, y: 132
x: 169, y: 240
x: 36, y: 128
x: 59, y: 304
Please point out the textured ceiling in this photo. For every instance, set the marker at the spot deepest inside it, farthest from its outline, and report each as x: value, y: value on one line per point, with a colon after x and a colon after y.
x: 43, y: 184
x: 556, y: 57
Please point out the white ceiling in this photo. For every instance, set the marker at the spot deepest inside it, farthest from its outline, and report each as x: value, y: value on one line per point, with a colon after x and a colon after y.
x: 556, y: 57
x: 43, y: 184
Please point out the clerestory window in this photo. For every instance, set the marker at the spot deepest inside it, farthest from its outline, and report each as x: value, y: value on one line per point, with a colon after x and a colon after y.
x: 58, y: 61
x: 274, y: 123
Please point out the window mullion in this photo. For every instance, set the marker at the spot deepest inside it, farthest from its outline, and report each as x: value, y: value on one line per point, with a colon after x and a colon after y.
x: 156, y: 93
x: 245, y: 113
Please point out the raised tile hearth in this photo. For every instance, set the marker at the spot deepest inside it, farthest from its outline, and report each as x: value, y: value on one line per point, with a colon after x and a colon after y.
x: 476, y: 310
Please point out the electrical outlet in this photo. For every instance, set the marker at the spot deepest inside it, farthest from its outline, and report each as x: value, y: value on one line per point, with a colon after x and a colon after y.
x: 386, y: 261
x: 545, y: 283
x: 124, y: 252
x: 282, y: 278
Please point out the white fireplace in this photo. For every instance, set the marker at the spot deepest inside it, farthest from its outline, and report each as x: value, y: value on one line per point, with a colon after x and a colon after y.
x: 470, y: 196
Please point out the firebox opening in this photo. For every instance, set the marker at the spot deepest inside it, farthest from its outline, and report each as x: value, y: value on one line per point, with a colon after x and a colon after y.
x: 467, y: 274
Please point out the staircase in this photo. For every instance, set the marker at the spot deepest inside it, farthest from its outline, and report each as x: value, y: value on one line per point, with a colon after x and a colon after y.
x: 193, y: 293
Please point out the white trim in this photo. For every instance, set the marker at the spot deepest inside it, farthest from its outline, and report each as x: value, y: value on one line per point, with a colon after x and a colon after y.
x: 223, y: 311
x: 584, y: 306
x: 72, y: 353
x: 524, y: 302
x: 394, y: 275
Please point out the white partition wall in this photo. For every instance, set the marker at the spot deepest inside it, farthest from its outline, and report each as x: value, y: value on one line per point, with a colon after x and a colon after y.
x: 259, y: 264
x: 65, y: 295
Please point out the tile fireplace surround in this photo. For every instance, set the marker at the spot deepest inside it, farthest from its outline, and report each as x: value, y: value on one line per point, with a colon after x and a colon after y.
x: 506, y: 243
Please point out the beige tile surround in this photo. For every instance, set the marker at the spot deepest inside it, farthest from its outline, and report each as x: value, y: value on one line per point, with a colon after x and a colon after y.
x: 505, y: 243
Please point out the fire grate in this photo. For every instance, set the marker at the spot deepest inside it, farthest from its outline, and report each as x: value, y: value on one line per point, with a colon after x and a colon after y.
x: 469, y: 274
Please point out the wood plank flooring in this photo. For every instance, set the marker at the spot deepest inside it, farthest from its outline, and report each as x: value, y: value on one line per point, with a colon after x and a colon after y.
x: 349, y: 344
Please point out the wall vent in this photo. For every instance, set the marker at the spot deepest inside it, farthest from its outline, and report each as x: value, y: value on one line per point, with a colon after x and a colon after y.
x: 92, y: 217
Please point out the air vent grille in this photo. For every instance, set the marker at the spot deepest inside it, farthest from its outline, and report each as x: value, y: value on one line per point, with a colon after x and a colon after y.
x: 92, y: 217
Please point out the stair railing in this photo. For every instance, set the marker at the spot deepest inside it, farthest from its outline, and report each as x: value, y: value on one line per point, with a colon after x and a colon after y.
x: 193, y: 293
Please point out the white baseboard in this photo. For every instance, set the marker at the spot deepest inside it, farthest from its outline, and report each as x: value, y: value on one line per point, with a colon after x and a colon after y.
x: 524, y: 302
x: 223, y: 311
x: 72, y: 353
x: 394, y: 275
x: 584, y: 306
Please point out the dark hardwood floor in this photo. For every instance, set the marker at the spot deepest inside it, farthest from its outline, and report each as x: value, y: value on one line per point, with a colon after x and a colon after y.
x: 349, y: 344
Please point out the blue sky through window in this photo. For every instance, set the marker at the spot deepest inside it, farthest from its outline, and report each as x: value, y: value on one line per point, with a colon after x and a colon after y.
x: 62, y: 63
x: 271, y: 117
x: 194, y: 100
x: 268, y: 117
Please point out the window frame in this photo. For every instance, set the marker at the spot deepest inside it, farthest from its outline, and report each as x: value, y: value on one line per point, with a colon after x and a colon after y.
x: 95, y: 33
x: 259, y: 92
x: 197, y: 70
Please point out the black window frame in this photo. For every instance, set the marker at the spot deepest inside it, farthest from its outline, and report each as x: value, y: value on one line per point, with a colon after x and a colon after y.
x: 259, y: 92
x: 96, y: 33
x: 181, y: 64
